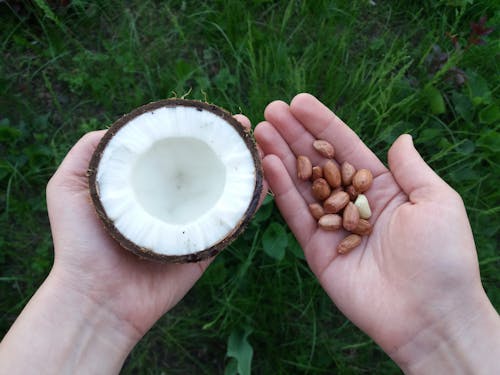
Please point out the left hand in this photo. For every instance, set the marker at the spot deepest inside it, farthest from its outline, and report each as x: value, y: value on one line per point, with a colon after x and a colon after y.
x: 87, y: 260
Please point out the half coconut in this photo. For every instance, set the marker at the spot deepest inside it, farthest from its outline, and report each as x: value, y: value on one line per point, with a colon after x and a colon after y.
x: 176, y: 180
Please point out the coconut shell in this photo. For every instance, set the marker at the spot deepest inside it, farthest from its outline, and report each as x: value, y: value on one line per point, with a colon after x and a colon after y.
x: 149, y: 253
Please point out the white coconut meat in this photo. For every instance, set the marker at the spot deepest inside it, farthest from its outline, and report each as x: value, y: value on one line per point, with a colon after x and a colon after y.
x: 176, y: 180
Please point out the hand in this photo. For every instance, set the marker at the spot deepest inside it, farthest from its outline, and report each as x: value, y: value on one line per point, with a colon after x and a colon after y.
x: 98, y: 299
x: 416, y: 276
x: 88, y: 260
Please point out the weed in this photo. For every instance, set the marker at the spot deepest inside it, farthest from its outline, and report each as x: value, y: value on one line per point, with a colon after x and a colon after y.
x: 385, y: 67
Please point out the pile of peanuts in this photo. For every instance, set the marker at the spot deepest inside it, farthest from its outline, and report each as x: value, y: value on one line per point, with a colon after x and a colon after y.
x: 339, y: 194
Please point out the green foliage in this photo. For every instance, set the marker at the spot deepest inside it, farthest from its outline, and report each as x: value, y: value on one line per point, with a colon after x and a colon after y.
x: 241, y: 351
x: 275, y: 241
x: 386, y: 69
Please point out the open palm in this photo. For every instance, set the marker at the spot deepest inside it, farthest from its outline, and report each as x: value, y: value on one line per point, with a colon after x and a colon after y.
x: 420, y: 257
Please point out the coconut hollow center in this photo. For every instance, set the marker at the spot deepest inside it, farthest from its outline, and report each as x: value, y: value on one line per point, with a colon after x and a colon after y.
x: 179, y: 179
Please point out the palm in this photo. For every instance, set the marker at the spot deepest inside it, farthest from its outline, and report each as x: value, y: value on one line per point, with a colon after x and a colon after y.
x: 135, y: 290
x: 374, y: 284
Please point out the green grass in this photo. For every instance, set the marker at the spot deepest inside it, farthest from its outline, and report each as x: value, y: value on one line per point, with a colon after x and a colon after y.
x: 66, y: 70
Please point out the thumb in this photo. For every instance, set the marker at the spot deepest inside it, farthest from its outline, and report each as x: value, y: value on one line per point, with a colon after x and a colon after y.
x: 411, y: 172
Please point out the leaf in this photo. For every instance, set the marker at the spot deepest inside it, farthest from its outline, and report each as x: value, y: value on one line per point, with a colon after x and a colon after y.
x: 9, y: 133
x: 490, y: 140
x: 466, y: 147
x: 463, y: 106
x: 232, y: 367
x: 224, y: 79
x: 275, y: 241
x: 295, y: 247
x: 240, y: 349
x: 479, y: 92
x: 435, y: 100
x: 429, y: 135
x: 490, y: 114
x: 265, y: 210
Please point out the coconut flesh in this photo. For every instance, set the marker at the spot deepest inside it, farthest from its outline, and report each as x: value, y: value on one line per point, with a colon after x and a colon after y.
x: 176, y: 180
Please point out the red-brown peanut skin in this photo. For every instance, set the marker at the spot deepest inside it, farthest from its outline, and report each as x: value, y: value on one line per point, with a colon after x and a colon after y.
x: 330, y: 222
x: 347, y: 172
x: 336, y: 202
x: 362, y: 180
x: 320, y: 189
x: 353, y: 194
x: 349, y: 243
x: 324, y: 148
x: 304, y: 168
x: 316, y: 210
x: 364, y: 228
x: 317, y: 172
x: 350, y: 218
x: 331, y: 173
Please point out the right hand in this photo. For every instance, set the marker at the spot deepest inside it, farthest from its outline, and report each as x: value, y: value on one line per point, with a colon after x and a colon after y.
x: 416, y: 276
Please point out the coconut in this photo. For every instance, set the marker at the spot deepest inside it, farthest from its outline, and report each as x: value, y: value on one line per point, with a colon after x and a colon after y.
x: 176, y: 180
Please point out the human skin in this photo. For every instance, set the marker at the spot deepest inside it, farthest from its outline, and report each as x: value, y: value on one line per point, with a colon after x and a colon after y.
x: 98, y: 300
x: 413, y: 285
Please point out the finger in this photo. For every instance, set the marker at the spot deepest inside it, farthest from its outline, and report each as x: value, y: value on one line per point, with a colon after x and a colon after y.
x: 72, y: 172
x: 272, y: 143
x: 290, y: 202
x: 411, y: 172
x: 322, y: 123
x: 293, y: 133
x: 243, y: 120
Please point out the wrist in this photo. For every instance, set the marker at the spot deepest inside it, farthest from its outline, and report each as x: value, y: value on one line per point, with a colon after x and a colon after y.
x: 64, y: 331
x: 465, y: 341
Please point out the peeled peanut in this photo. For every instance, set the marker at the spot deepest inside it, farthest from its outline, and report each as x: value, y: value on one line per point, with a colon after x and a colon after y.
x: 362, y: 180
x: 320, y: 189
x: 304, y: 168
x: 330, y: 222
x: 324, y: 148
x: 331, y: 173
x: 361, y: 202
x: 350, y: 218
x: 336, y: 202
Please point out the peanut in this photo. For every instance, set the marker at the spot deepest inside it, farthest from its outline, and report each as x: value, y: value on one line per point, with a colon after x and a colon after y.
x: 364, y: 228
x: 348, y: 243
x: 330, y: 222
x: 347, y: 172
x: 320, y: 189
x: 316, y: 210
x: 339, y: 194
x: 336, y: 202
x: 363, y: 206
x: 304, y: 168
x: 350, y: 217
x: 332, y: 174
x: 353, y: 194
x: 317, y: 172
x: 324, y: 148
x: 362, y: 180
